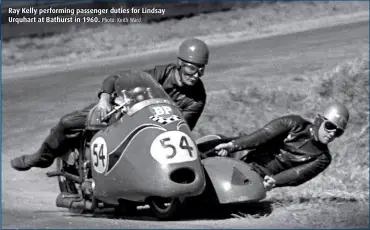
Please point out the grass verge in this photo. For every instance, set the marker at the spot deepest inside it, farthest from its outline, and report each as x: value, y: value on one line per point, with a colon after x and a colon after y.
x: 242, y: 110
x: 112, y: 40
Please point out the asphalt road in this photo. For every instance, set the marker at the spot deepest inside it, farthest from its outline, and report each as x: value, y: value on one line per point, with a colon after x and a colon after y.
x: 32, y: 105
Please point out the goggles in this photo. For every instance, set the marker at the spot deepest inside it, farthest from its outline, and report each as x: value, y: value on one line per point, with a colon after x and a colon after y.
x: 191, y: 69
x: 330, y: 127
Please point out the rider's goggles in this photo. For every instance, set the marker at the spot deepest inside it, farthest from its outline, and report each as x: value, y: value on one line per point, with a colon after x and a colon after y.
x: 330, y: 127
x: 191, y: 69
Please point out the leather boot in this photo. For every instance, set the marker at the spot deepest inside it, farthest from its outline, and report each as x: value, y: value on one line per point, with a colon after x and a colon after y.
x: 41, y: 159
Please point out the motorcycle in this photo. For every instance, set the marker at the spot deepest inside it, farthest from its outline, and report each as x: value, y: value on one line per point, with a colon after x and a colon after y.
x: 143, y: 153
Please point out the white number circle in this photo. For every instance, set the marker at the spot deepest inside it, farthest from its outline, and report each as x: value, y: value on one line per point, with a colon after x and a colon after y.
x: 99, y: 155
x: 173, y: 147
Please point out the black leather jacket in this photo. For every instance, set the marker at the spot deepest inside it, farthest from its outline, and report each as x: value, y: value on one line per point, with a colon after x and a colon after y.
x: 287, y: 149
x: 191, y: 100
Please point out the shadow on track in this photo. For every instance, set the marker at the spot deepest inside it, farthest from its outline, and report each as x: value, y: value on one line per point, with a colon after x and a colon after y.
x: 214, y: 212
x: 210, y: 212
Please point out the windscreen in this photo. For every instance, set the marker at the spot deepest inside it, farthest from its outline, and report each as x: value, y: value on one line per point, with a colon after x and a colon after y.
x: 133, y: 87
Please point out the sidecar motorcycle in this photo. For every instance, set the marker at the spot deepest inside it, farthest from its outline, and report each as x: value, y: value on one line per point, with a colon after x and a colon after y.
x: 145, y: 154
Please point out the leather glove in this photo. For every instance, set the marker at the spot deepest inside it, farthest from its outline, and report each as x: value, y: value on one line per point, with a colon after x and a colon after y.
x: 224, y: 149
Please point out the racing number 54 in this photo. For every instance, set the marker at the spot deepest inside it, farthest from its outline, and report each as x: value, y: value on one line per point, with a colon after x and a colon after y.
x: 99, y: 155
x: 184, y: 144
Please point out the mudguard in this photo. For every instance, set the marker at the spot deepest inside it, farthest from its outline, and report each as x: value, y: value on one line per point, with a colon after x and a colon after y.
x: 234, y: 181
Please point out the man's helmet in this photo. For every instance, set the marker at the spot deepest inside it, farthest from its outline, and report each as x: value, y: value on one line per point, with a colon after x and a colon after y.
x: 338, y: 114
x: 194, y: 51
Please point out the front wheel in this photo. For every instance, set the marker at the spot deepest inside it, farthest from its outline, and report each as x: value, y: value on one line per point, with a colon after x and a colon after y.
x: 167, y: 208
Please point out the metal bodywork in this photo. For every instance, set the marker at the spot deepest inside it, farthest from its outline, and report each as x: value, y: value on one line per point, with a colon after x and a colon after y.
x: 150, y: 152
x: 229, y: 180
x: 234, y: 181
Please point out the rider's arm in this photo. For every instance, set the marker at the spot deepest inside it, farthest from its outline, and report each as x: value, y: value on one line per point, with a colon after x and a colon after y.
x: 105, y: 97
x: 108, y: 85
x: 195, y: 105
x: 279, y: 126
x: 192, y: 113
x: 159, y: 73
x: 303, y: 173
x: 156, y: 73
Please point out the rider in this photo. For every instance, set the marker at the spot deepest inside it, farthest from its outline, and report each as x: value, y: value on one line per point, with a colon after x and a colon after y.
x: 181, y: 81
x: 290, y: 150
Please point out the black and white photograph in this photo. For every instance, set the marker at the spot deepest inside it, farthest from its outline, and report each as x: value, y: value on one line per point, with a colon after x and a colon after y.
x: 185, y: 114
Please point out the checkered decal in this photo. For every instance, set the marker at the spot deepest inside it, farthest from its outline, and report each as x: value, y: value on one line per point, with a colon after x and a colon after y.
x: 163, y: 120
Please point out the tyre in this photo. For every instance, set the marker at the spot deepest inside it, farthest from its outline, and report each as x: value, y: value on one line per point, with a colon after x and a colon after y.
x: 167, y: 208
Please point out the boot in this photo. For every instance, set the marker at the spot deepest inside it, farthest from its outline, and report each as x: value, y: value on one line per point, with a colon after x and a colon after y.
x: 41, y: 159
x: 55, y: 144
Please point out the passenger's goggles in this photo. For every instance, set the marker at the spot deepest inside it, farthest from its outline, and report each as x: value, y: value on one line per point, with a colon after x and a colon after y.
x: 331, y: 127
x: 191, y: 69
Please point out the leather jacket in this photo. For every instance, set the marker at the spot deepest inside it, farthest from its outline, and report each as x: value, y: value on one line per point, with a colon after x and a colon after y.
x: 191, y: 100
x: 287, y: 149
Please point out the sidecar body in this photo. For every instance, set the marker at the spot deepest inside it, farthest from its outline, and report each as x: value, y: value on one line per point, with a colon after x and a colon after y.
x: 229, y: 180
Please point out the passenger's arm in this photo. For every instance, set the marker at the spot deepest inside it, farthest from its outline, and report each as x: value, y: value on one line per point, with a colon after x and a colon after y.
x: 303, y: 173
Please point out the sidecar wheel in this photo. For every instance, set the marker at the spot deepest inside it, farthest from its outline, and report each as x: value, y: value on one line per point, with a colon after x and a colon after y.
x: 166, y: 208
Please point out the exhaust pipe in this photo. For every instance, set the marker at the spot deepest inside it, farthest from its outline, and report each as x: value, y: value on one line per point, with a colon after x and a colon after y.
x: 72, y: 177
x: 74, y: 201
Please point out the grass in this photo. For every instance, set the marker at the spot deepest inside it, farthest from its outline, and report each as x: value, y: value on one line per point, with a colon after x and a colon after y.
x: 244, y: 109
x: 111, y: 40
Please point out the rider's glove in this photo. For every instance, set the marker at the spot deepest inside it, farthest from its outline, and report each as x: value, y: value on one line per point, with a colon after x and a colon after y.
x: 269, y: 183
x: 225, y: 148
x: 104, y: 105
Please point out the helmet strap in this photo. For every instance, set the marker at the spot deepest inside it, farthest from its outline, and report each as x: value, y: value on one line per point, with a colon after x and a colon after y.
x: 179, y: 72
x: 316, y: 126
x: 178, y: 76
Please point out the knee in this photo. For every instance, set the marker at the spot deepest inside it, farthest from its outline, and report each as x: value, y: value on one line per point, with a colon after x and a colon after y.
x: 59, y: 127
x: 74, y: 120
x: 66, y: 121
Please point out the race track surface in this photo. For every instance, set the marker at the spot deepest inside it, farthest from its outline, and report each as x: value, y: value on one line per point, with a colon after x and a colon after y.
x: 31, y: 106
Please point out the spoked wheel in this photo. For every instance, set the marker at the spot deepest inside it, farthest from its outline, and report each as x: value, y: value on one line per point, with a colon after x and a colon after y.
x: 67, y: 186
x: 166, y: 208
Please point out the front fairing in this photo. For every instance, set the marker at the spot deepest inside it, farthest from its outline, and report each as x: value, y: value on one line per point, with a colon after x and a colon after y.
x: 137, y: 156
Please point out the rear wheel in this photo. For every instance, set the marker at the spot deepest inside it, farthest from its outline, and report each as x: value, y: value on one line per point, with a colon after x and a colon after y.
x: 167, y: 208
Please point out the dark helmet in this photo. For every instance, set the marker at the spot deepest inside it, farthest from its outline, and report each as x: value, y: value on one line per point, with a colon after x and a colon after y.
x: 338, y: 114
x: 194, y: 51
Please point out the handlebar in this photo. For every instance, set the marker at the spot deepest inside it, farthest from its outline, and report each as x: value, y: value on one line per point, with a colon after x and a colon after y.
x: 114, y: 110
x: 209, y: 153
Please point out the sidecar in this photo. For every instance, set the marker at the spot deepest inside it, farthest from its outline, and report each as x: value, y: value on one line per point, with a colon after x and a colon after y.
x: 229, y: 180
x: 145, y: 154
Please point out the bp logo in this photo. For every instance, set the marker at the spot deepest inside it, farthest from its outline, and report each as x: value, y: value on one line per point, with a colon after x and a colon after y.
x: 163, y: 111
x: 163, y: 114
